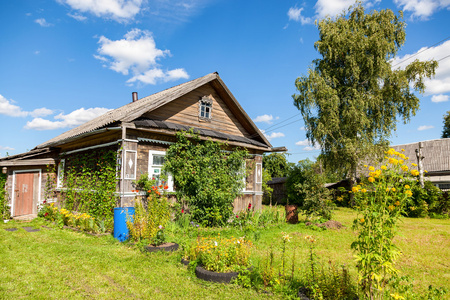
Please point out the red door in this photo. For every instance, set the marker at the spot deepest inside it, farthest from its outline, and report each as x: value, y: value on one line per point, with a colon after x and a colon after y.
x: 23, y: 204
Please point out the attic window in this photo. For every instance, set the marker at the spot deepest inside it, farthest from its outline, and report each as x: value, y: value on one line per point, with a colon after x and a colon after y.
x: 205, y: 109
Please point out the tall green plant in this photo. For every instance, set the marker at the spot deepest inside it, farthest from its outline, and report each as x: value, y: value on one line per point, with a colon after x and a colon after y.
x: 90, y: 183
x: 205, y: 176
x: 380, y: 199
x: 4, y: 208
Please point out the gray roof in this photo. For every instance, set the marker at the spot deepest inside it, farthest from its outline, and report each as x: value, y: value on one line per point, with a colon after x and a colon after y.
x: 134, y: 110
x: 436, y: 153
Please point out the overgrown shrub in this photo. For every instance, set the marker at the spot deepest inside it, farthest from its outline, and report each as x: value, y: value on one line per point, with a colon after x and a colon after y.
x: 4, y: 208
x: 305, y: 188
x: 90, y: 183
x: 149, y: 217
x: 206, y: 177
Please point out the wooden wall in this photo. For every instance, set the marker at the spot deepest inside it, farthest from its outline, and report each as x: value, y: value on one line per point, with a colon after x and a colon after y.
x: 185, y: 111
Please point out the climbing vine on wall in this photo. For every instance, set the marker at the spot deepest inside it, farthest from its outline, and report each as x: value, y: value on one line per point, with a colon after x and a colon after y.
x: 90, y: 183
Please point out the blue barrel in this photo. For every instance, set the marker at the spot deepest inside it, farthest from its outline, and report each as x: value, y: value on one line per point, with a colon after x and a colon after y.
x: 120, y: 222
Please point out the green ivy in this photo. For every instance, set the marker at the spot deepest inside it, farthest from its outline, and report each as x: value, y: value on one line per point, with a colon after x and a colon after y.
x: 206, y: 177
x: 90, y: 183
x: 4, y: 208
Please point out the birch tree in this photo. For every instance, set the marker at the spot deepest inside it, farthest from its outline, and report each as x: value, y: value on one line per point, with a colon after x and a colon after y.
x: 352, y: 97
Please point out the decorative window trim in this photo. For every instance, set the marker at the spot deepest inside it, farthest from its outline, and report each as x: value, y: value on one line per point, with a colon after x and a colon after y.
x: 258, y: 169
x: 151, y: 167
x: 206, y: 103
x: 134, y: 162
x: 60, y: 175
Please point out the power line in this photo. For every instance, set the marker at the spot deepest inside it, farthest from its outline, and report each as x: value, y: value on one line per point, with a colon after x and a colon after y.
x: 421, y: 52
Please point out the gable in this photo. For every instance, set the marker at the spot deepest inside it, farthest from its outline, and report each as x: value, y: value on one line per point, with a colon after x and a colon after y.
x: 185, y: 111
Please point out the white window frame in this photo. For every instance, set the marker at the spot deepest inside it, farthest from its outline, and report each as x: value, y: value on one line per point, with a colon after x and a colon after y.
x: 203, y: 103
x: 60, y: 175
x: 151, y: 167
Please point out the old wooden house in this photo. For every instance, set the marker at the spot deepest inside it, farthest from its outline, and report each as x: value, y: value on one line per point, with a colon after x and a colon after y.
x: 140, y: 132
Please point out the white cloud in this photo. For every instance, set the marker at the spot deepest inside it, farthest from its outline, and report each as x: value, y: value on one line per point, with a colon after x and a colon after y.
x: 75, y: 118
x: 118, y: 10
x: 136, y: 53
x: 295, y: 14
x: 303, y: 128
x: 303, y: 143
x: 440, y: 84
x: 274, y: 135
x: 264, y: 119
x: 43, y: 22
x: 425, y: 127
x: 439, y: 98
x: 6, y: 148
x: 77, y: 17
x: 41, y: 112
x: 308, y: 145
x: 422, y: 9
x: 9, y: 109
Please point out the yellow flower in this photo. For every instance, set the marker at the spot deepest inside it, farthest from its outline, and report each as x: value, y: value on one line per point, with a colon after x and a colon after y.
x: 393, y: 189
x: 407, y: 187
x: 401, y: 161
x: 371, y: 179
x: 361, y: 220
x: 391, y: 151
x: 405, y: 168
x: 397, y: 203
x: 363, y: 190
x: 414, y: 172
x: 397, y: 296
x: 393, y: 161
x: 414, y: 165
x: 383, y: 167
x: 408, y: 193
x: 388, y: 189
x: 425, y: 171
x: 355, y: 189
x: 365, y: 166
x: 403, y: 150
x: 371, y: 168
x: 391, y: 207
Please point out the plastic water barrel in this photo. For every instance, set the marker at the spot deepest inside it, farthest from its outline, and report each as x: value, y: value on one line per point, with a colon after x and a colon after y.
x: 120, y: 222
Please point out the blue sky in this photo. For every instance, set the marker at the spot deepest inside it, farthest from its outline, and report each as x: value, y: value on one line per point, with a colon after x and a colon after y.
x: 63, y: 62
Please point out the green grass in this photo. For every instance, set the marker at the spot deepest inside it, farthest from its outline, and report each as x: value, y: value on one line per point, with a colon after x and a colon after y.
x: 57, y: 264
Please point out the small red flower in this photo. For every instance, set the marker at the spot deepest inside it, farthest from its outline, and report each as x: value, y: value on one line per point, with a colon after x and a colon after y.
x: 46, y: 214
x: 237, y: 216
x: 249, y: 206
x: 160, y: 186
x: 45, y: 201
x: 166, y: 187
x: 182, y: 211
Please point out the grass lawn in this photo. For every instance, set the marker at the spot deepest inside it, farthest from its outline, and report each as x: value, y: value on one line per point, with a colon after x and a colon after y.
x: 54, y: 263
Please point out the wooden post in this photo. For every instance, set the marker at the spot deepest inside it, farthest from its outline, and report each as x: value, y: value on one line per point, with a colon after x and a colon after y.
x: 420, y: 158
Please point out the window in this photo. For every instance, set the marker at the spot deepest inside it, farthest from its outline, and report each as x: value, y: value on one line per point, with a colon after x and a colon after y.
x: 155, y: 164
x: 129, y: 164
x: 60, y: 178
x: 205, y: 109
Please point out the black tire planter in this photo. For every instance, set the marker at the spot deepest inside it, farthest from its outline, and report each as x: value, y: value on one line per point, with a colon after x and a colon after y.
x: 215, y: 276
x: 168, y: 247
x: 185, y: 262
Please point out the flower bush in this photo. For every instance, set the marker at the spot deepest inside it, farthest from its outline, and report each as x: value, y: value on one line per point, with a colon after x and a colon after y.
x: 150, y: 217
x: 381, y: 199
x: 63, y: 217
x: 219, y: 254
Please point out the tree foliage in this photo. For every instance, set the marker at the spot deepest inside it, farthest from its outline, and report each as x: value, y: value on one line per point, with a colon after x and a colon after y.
x: 352, y: 97
x: 305, y: 188
x: 277, y: 165
x: 207, y: 178
x: 446, y: 129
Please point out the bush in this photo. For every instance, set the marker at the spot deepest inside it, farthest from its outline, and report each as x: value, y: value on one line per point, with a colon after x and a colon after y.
x: 428, y: 201
x: 205, y: 177
x: 305, y: 188
x: 4, y: 208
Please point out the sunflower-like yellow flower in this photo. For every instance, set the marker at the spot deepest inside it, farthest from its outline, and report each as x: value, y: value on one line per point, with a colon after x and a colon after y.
x: 383, y: 168
x: 397, y: 203
x: 415, y: 173
x: 393, y: 189
x: 364, y: 190
x: 414, y: 165
x: 408, y: 193
x: 371, y: 179
x: 362, y: 220
x: 371, y: 168
x: 405, y: 168
x: 407, y: 187
x: 391, y: 207
x: 391, y: 151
